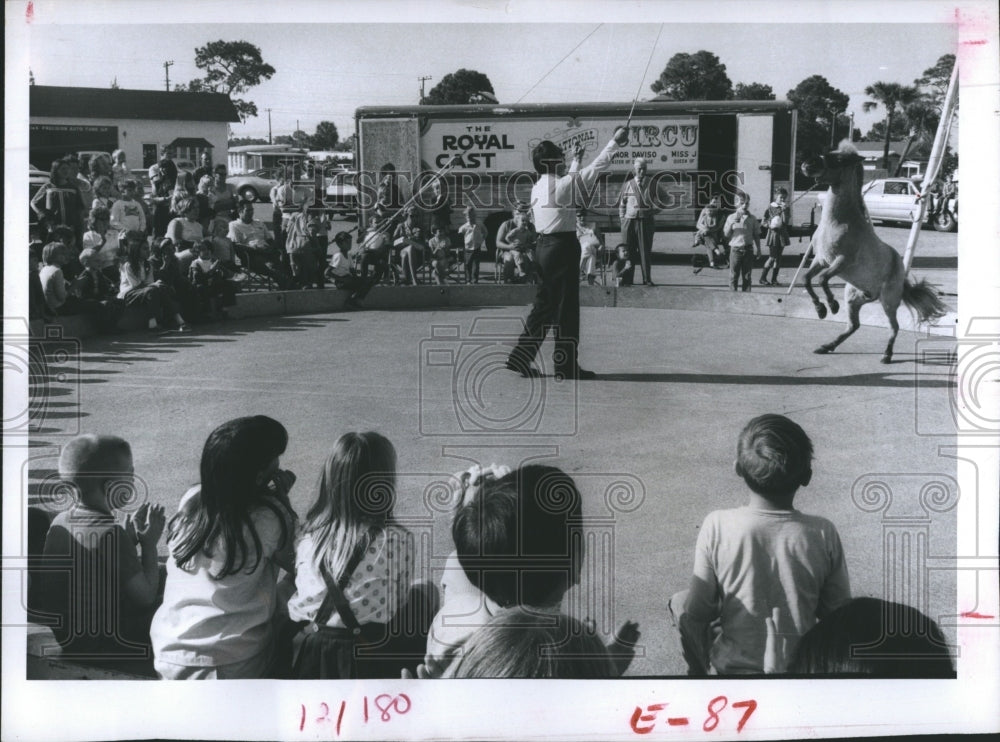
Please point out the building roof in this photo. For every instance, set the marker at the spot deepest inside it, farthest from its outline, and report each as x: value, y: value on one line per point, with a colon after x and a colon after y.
x: 193, y: 142
x: 115, y: 103
x: 870, y: 149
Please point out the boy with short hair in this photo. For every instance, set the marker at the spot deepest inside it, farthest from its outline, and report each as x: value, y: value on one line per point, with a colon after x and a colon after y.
x: 743, y: 232
x: 474, y: 241
x: 752, y: 560
x: 104, y: 594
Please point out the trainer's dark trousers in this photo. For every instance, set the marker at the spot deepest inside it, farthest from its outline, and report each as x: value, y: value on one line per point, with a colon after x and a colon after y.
x: 638, y: 235
x: 557, y: 304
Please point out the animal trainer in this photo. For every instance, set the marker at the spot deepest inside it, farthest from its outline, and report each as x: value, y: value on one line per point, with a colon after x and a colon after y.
x: 846, y: 245
x: 554, y: 201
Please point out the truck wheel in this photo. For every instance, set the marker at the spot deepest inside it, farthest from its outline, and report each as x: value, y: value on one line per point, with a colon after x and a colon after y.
x: 248, y: 193
x: 945, y: 222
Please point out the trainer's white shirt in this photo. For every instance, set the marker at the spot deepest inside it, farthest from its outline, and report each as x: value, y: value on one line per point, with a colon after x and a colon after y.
x: 554, y: 201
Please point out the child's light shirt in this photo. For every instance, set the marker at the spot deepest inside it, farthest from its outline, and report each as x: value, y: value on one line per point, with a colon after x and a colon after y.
x: 105, y: 246
x: 205, y: 622
x: 439, y: 246
x: 752, y: 561
x: 340, y: 265
x: 128, y: 216
x: 375, y: 589
x: 473, y: 235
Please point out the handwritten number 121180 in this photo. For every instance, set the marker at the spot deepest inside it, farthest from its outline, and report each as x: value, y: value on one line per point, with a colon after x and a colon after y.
x: 643, y: 721
x: 385, y: 706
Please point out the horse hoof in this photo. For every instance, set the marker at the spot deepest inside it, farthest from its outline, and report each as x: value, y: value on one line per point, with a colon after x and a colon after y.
x: 820, y: 311
x: 823, y: 349
x: 886, y: 359
x: 834, y: 306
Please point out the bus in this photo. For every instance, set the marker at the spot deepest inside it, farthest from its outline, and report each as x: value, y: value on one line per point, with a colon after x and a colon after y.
x: 250, y: 157
x: 694, y: 150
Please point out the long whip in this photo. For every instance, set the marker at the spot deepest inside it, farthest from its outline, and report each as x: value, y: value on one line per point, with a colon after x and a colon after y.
x: 385, y: 225
x: 643, y: 78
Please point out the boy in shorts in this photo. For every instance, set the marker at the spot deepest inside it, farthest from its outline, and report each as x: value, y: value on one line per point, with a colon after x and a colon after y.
x: 763, y: 561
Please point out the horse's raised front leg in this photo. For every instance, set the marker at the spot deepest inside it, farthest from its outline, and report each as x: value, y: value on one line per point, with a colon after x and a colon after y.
x: 815, y: 267
x: 855, y: 300
x: 824, y: 278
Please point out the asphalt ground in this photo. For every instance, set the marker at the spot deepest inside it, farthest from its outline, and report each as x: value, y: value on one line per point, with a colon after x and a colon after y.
x: 651, y: 442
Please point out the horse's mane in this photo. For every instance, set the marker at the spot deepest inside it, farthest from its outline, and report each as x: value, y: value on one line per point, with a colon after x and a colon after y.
x: 847, y: 148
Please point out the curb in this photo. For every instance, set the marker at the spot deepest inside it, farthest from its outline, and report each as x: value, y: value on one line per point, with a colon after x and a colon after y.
x: 696, y: 299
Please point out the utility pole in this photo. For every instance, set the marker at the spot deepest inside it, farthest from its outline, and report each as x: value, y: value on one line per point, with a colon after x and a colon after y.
x: 851, y: 134
x: 269, y: 126
x: 422, y: 80
x: 166, y: 72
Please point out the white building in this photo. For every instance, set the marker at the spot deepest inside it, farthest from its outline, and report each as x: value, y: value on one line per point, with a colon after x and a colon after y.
x: 140, y: 122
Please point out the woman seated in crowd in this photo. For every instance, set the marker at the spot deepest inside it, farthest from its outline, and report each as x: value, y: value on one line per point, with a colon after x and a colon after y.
x: 139, y: 288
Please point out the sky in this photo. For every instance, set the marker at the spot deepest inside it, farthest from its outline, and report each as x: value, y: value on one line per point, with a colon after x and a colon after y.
x: 325, y: 70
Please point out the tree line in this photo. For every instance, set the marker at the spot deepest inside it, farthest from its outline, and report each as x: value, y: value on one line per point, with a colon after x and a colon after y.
x: 912, y: 112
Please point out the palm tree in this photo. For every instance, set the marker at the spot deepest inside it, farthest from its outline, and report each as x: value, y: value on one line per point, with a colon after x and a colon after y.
x: 923, y: 116
x: 894, y: 97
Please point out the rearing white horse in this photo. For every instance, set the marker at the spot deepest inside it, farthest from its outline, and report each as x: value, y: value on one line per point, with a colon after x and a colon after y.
x: 846, y: 245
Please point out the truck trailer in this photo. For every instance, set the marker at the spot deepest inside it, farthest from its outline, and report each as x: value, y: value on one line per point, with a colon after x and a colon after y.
x: 694, y: 150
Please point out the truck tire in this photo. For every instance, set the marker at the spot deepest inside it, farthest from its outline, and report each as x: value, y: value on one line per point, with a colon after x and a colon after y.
x: 945, y: 222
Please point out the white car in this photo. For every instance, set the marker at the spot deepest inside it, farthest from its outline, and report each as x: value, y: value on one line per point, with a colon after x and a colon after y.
x: 342, y: 192
x: 256, y: 185
x: 891, y: 200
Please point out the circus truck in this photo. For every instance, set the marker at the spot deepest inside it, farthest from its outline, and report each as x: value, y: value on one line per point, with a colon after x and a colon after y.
x: 694, y: 150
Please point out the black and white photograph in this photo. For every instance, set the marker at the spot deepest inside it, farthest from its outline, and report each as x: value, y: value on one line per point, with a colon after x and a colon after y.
x: 484, y: 370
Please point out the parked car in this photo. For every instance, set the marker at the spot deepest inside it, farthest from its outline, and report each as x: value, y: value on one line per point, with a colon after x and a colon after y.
x: 892, y: 200
x: 256, y: 185
x: 342, y: 192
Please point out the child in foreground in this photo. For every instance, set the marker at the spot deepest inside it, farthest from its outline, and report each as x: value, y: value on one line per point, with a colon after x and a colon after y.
x: 513, y: 549
x: 105, y: 594
x: 353, y: 566
x: 763, y: 556
x: 231, y: 534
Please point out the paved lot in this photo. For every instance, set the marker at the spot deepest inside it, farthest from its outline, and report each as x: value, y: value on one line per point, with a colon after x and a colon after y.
x: 651, y: 443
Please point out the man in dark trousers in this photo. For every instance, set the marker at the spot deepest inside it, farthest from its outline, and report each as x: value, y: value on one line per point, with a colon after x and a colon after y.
x: 635, y: 212
x: 554, y: 199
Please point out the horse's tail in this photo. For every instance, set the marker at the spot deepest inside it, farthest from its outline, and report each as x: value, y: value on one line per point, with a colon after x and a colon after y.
x: 923, y: 299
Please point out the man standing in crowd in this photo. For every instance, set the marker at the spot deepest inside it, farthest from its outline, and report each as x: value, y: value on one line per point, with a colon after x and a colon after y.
x: 555, y: 199
x: 205, y: 166
x: 635, y: 211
